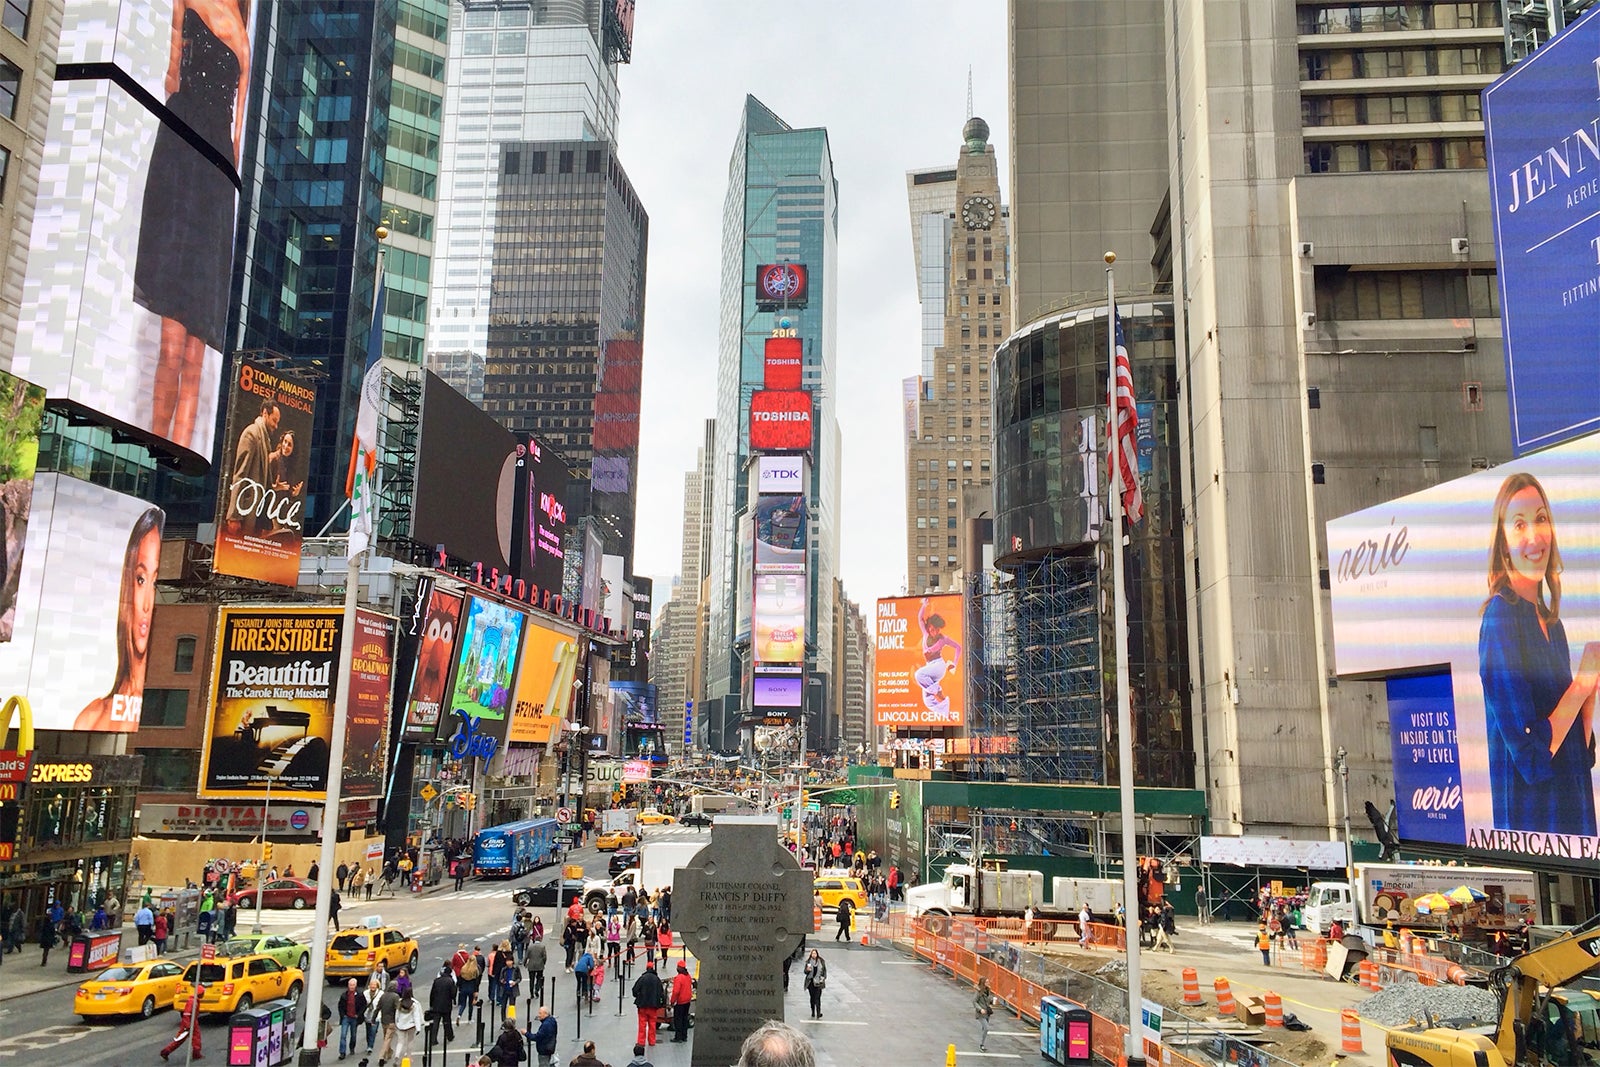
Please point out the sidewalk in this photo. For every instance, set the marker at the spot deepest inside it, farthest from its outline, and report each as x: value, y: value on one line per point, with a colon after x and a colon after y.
x: 21, y: 975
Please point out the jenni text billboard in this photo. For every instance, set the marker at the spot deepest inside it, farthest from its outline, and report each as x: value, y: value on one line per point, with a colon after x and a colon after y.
x: 1479, y: 602
x: 1542, y: 137
x: 918, y: 662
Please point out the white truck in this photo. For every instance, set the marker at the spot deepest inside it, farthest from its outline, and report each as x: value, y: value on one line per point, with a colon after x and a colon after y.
x: 709, y: 804
x: 624, y: 820
x: 1501, y: 898
x: 658, y: 862
x: 1011, y: 893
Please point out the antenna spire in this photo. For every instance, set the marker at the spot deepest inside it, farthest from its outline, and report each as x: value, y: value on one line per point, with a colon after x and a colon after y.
x: 969, y: 91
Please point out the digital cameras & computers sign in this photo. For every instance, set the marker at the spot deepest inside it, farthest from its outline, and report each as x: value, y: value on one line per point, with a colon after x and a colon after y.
x: 781, y: 285
x: 1542, y: 137
x: 780, y: 420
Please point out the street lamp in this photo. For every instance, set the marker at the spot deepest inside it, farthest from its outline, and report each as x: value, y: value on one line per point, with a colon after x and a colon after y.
x: 261, y: 868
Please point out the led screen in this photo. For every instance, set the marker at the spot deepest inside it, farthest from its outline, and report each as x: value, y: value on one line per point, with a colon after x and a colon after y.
x: 262, y: 492
x: 21, y: 411
x: 618, y: 608
x: 126, y: 293
x: 1497, y: 578
x: 486, y: 663
x: 780, y: 534
x: 1543, y: 149
x: 780, y: 618
x: 272, y: 708
x: 544, y: 685
x: 367, y: 714
x: 84, y: 604
x: 919, y: 681
x: 777, y: 691
x: 784, y: 360
x: 780, y: 420
x: 636, y: 702
x: 430, y: 678
x: 466, y: 479
x: 544, y: 527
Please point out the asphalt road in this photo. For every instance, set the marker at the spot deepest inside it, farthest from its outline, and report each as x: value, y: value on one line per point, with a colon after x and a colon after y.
x: 866, y: 986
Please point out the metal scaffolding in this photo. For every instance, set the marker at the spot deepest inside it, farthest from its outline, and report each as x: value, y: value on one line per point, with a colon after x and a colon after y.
x: 1034, y: 687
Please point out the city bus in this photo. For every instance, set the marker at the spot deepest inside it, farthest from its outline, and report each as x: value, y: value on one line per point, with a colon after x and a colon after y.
x: 516, y: 848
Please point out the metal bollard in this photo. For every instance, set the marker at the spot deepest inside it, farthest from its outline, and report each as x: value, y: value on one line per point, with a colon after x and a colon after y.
x: 477, y: 1009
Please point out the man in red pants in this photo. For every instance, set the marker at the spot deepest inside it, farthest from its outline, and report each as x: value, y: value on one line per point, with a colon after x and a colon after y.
x: 649, y: 997
x: 188, y: 1025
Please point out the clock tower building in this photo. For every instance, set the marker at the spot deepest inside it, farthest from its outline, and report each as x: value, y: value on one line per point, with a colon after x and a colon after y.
x: 948, y: 421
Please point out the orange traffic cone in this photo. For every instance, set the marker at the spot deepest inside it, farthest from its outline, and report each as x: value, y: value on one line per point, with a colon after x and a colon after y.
x: 1225, y: 1005
x: 1191, y: 987
x: 1349, y: 1032
x: 1274, y: 1007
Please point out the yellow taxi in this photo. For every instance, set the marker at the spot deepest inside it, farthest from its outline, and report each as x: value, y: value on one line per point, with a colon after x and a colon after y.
x: 134, y: 989
x: 615, y: 839
x: 652, y: 817
x: 358, y: 952
x: 833, y: 890
x: 234, y: 983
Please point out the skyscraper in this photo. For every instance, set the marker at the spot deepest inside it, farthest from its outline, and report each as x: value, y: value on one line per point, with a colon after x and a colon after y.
x: 27, y: 59
x: 963, y: 279
x: 565, y: 344
x: 517, y: 72
x: 781, y: 205
x: 674, y: 665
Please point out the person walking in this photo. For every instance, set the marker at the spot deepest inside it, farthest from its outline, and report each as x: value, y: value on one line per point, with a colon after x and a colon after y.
x: 510, y: 985
x: 983, y: 1006
x: 469, y: 972
x: 334, y: 904
x: 388, y: 1009
x: 46, y: 936
x: 159, y: 932
x: 651, y: 940
x: 1264, y: 944
x: 407, y: 1021
x: 458, y: 868
x: 144, y: 921
x: 499, y: 957
x: 188, y: 1025
x: 845, y: 916
x: 508, y: 1050
x: 816, y: 972
x: 648, y: 999
x: 367, y: 879
x: 681, y: 997
x: 441, y: 1005
x: 544, y: 1038
x: 341, y: 875
x: 352, y: 1010
x: 1083, y: 926
x: 373, y: 1020
x: 537, y: 959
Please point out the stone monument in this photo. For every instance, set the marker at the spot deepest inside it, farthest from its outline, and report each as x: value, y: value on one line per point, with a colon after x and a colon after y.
x: 741, y: 906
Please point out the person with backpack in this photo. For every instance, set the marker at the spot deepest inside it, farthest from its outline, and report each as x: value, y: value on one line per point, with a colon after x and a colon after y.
x: 519, y: 938
x: 584, y: 969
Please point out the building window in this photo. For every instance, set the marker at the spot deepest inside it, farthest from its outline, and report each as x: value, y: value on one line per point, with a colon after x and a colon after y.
x: 10, y: 86
x: 170, y: 770
x: 183, y: 655
x: 566, y: 161
x: 164, y: 708
x: 14, y: 16
x: 5, y: 166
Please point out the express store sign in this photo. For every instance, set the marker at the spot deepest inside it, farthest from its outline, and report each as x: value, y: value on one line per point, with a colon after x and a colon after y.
x: 780, y: 420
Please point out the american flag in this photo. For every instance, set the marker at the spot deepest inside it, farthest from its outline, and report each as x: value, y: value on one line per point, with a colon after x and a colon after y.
x: 1127, y: 432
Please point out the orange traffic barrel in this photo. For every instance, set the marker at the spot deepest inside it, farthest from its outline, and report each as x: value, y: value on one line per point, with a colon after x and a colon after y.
x: 1349, y: 1032
x: 1225, y: 1005
x: 1457, y: 974
x: 1274, y: 1008
x: 816, y: 919
x: 1191, y: 987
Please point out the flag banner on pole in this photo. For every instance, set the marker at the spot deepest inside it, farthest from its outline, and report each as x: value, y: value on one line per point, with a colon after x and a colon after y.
x: 1127, y: 435
x: 361, y: 485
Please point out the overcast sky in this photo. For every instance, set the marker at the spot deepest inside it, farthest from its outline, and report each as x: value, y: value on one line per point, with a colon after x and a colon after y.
x: 889, y: 81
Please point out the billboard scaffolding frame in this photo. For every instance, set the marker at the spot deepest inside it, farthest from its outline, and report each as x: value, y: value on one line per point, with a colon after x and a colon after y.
x: 1058, y: 710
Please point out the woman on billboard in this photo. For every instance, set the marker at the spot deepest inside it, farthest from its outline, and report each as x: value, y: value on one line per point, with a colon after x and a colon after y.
x: 185, y: 259
x: 118, y: 710
x: 930, y: 675
x: 1540, y: 715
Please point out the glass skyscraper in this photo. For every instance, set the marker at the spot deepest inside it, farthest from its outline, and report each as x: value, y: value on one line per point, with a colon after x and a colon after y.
x: 781, y: 204
x: 517, y: 72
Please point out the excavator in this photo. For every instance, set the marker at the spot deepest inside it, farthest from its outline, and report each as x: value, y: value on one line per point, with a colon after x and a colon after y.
x: 1549, y: 1014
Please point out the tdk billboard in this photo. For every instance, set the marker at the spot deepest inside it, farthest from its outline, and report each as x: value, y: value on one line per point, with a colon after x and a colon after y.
x: 1543, y: 126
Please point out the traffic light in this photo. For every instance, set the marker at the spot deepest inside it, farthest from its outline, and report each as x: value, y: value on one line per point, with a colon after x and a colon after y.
x: 894, y: 798
x: 266, y: 852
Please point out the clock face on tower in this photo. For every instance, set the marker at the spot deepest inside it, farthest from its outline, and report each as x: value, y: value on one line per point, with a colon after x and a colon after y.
x: 978, y: 213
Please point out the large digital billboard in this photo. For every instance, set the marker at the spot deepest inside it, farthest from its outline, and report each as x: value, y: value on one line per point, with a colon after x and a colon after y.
x: 780, y: 420
x: 613, y: 596
x: 21, y: 412
x: 1478, y: 601
x: 780, y: 533
x: 84, y: 604
x: 635, y: 702
x: 918, y: 666
x: 486, y: 662
x: 542, y: 558
x: 466, y: 479
x: 782, y: 285
x: 261, y: 500
x: 783, y: 361
x: 125, y: 299
x: 544, y: 685
x: 430, y: 677
x: 1543, y: 145
x: 273, y: 681
x: 780, y: 618
x: 746, y: 579
x: 367, y: 713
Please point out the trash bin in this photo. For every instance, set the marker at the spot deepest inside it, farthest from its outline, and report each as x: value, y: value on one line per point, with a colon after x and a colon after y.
x: 262, y: 1036
x: 1064, y: 1031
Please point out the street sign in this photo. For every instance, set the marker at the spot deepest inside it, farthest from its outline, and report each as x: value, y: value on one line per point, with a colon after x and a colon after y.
x: 428, y: 793
x: 812, y: 805
x: 208, y: 951
x: 564, y: 815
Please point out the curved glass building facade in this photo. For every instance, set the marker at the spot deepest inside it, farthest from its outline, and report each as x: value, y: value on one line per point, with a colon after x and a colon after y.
x: 1049, y: 388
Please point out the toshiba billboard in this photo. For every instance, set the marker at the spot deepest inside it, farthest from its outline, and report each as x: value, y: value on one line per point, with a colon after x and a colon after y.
x: 780, y: 420
x: 784, y: 359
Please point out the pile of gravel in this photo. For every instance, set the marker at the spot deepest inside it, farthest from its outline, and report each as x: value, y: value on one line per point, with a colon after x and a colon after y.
x: 1407, y: 1001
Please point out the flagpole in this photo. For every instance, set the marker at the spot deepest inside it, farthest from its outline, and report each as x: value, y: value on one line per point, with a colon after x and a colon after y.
x: 316, y: 978
x: 1130, y: 849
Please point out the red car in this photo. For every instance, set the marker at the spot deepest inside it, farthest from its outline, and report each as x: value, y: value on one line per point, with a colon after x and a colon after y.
x: 283, y: 893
